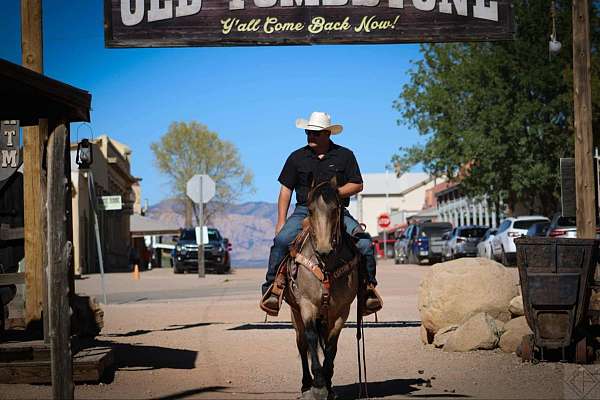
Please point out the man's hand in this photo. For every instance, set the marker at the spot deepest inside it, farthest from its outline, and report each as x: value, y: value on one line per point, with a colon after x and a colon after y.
x: 279, y: 226
x: 350, y: 189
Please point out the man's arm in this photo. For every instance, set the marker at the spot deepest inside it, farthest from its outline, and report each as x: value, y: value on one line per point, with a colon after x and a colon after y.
x: 283, y: 204
x: 350, y: 189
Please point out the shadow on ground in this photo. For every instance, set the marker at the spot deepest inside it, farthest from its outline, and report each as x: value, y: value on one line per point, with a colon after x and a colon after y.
x: 137, y: 357
x: 139, y: 332
x: 288, y: 325
x: 192, y: 392
x: 391, y: 387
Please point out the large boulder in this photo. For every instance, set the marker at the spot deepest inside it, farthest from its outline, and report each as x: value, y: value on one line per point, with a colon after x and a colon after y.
x: 480, y: 332
x: 516, y: 306
x: 514, y: 330
x: 453, y: 291
x: 441, y: 337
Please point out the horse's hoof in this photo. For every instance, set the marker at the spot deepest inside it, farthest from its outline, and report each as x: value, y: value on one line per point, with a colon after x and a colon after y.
x: 306, y: 395
x: 320, y: 393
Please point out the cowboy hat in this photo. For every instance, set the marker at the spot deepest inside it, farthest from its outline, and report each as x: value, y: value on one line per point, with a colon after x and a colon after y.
x: 318, y: 121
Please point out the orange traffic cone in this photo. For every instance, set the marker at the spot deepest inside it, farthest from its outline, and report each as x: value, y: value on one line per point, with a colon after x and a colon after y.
x: 136, y: 272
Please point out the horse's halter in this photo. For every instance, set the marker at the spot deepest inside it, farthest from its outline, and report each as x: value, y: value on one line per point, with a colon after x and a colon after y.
x: 336, y: 235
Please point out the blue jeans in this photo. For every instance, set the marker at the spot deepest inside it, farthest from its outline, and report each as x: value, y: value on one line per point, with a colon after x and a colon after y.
x: 292, y: 228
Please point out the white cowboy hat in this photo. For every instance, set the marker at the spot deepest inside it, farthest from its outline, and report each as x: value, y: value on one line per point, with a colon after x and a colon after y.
x: 318, y: 121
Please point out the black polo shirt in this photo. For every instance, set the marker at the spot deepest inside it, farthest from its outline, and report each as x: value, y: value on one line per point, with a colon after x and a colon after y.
x: 303, y: 165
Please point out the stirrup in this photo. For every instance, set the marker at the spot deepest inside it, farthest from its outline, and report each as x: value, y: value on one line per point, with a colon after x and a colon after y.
x: 371, y: 292
x: 271, y: 311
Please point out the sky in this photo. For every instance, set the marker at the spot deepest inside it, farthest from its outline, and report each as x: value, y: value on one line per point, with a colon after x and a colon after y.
x: 250, y: 96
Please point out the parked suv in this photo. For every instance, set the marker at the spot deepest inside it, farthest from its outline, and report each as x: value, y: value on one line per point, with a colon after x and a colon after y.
x: 503, y: 244
x: 216, y: 252
x: 462, y: 242
x: 424, y: 241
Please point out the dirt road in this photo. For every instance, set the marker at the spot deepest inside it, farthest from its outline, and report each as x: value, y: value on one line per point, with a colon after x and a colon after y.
x: 178, y: 336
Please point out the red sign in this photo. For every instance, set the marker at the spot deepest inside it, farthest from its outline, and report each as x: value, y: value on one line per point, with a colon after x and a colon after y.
x: 383, y: 221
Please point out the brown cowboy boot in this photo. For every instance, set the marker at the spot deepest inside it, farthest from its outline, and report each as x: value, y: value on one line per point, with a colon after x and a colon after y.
x: 271, y: 301
x: 373, y: 301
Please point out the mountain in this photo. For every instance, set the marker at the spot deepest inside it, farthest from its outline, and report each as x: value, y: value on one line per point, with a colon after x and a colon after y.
x: 249, y: 226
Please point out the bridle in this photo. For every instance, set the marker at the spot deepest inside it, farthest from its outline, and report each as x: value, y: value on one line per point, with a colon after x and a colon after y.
x: 336, y: 235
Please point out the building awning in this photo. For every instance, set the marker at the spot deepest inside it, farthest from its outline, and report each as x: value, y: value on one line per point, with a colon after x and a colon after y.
x: 29, y: 96
x: 146, y: 226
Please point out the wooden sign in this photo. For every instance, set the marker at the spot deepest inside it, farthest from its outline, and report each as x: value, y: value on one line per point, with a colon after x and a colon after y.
x: 9, y: 148
x: 171, y: 23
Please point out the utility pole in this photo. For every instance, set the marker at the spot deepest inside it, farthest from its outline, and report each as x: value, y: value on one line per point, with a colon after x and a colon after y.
x: 584, y: 170
x: 34, y: 177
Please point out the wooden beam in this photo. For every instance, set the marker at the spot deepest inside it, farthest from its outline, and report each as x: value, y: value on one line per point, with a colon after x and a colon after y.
x: 34, y: 181
x: 59, y: 257
x: 584, y: 169
x: 31, y: 35
x: 12, y: 279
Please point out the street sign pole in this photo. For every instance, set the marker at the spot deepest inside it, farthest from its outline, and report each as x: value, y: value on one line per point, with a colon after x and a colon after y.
x: 200, y: 189
x: 384, y: 244
x: 201, y: 272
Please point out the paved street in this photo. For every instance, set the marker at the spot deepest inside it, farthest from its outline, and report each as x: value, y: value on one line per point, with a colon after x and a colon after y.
x: 178, y: 336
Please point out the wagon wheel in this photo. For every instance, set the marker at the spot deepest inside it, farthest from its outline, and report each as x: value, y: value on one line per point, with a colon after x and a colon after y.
x: 581, y: 351
x: 528, y: 349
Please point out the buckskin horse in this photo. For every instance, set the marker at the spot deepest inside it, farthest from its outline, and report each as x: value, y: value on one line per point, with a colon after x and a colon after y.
x: 323, y: 278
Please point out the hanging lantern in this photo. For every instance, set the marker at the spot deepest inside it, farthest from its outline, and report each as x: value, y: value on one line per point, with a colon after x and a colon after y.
x: 85, y: 154
x: 554, y: 45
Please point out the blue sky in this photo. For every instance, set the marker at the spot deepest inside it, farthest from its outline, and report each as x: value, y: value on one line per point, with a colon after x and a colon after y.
x: 251, y: 96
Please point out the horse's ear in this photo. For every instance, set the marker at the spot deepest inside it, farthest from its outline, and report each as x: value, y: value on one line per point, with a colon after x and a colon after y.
x: 311, y: 179
x: 333, y: 182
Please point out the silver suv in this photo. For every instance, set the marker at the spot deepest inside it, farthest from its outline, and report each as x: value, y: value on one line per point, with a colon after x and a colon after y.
x: 503, y: 244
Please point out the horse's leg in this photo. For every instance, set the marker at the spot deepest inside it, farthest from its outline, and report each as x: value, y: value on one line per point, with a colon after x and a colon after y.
x: 303, y: 350
x: 331, y: 349
x: 312, y: 338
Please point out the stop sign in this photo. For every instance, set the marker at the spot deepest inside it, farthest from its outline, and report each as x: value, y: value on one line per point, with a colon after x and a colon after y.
x: 383, y: 221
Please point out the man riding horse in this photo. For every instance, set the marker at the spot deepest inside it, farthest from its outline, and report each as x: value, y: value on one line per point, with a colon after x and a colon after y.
x: 319, y: 161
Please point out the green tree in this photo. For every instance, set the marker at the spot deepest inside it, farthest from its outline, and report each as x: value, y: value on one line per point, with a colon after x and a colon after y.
x: 187, y: 149
x: 499, y: 115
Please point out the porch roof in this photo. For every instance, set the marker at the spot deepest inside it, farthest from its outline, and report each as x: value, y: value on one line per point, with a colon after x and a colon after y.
x: 29, y: 96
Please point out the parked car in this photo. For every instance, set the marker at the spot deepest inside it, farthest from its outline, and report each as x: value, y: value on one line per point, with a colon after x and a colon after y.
x: 463, y: 241
x: 400, y: 248
x: 538, y: 229
x: 445, y: 248
x: 562, y: 227
x: 503, y: 245
x: 484, y: 247
x: 216, y: 252
x: 424, y: 241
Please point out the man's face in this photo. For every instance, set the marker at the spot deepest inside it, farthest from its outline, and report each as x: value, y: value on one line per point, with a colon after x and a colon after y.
x: 317, y: 138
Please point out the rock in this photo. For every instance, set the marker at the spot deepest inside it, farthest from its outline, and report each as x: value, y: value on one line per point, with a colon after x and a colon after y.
x: 441, y: 337
x: 479, y: 332
x: 516, y: 306
x: 453, y: 291
x: 426, y: 337
x: 514, y: 330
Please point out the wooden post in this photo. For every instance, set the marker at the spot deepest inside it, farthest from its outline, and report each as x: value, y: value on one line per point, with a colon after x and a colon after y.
x: 584, y: 169
x: 59, y: 256
x: 34, y: 181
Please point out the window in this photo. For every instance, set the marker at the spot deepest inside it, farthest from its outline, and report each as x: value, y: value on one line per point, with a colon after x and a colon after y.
x: 525, y: 224
x: 504, y: 225
x: 472, y: 232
